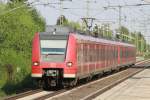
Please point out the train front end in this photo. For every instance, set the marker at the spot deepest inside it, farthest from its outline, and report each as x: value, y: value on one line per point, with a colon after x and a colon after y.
x: 54, y: 58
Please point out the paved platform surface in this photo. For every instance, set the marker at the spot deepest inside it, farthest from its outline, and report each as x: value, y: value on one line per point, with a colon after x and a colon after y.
x: 134, y: 88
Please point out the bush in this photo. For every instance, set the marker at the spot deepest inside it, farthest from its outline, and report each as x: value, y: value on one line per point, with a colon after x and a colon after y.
x: 16, y: 32
x: 147, y: 55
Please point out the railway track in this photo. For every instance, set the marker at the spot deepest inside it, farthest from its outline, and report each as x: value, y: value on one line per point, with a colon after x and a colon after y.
x: 24, y: 94
x: 83, y: 91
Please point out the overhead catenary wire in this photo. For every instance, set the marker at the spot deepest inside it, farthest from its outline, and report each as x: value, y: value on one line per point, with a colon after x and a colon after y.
x: 53, y: 5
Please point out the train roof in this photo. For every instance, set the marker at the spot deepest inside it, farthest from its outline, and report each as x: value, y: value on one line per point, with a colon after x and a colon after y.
x: 102, y: 40
x: 63, y: 31
x: 55, y: 32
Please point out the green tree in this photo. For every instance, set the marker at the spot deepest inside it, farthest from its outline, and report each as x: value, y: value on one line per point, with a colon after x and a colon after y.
x: 74, y: 25
x: 17, y: 29
x: 15, y: 1
x: 104, y: 31
x: 62, y: 20
x: 124, y: 33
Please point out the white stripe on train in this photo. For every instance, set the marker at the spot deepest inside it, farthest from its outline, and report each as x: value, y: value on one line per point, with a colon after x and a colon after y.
x: 65, y: 75
x: 36, y: 75
x: 69, y: 75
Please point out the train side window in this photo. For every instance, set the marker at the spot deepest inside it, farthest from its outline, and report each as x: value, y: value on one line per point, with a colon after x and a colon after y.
x: 110, y: 53
x: 93, y: 54
x: 114, y: 52
x: 121, y: 54
x: 81, y: 53
x: 88, y: 55
x: 102, y: 52
x: 78, y: 53
x: 115, y: 56
x: 105, y: 52
x: 85, y: 53
x: 94, y: 57
x: 125, y: 52
x: 89, y: 52
x: 99, y: 53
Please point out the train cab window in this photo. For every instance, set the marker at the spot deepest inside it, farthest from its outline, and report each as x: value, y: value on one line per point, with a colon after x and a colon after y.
x: 53, y: 50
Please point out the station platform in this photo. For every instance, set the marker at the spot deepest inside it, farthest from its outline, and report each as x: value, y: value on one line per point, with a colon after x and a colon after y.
x: 135, y: 88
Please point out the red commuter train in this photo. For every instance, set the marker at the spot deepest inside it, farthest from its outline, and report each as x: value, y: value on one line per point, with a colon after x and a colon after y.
x: 61, y: 56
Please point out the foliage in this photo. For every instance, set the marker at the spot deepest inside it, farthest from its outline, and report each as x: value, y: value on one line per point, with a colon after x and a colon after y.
x: 16, y: 32
x: 123, y: 30
x: 62, y: 20
x: 124, y: 33
x: 135, y: 38
x: 15, y: 1
x: 104, y: 31
x: 147, y: 55
x: 75, y: 25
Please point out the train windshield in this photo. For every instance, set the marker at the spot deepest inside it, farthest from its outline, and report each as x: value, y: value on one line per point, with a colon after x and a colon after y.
x: 53, y: 50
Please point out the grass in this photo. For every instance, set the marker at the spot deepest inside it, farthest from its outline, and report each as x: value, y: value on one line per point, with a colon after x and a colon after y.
x: 14, y: 73
x: 10, y: 87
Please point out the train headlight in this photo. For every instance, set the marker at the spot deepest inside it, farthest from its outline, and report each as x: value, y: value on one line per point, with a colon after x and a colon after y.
x: 69, y: 64
x: 35, y: 63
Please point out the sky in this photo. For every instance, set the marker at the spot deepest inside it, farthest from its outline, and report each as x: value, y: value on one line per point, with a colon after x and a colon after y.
x: 135, y: 18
